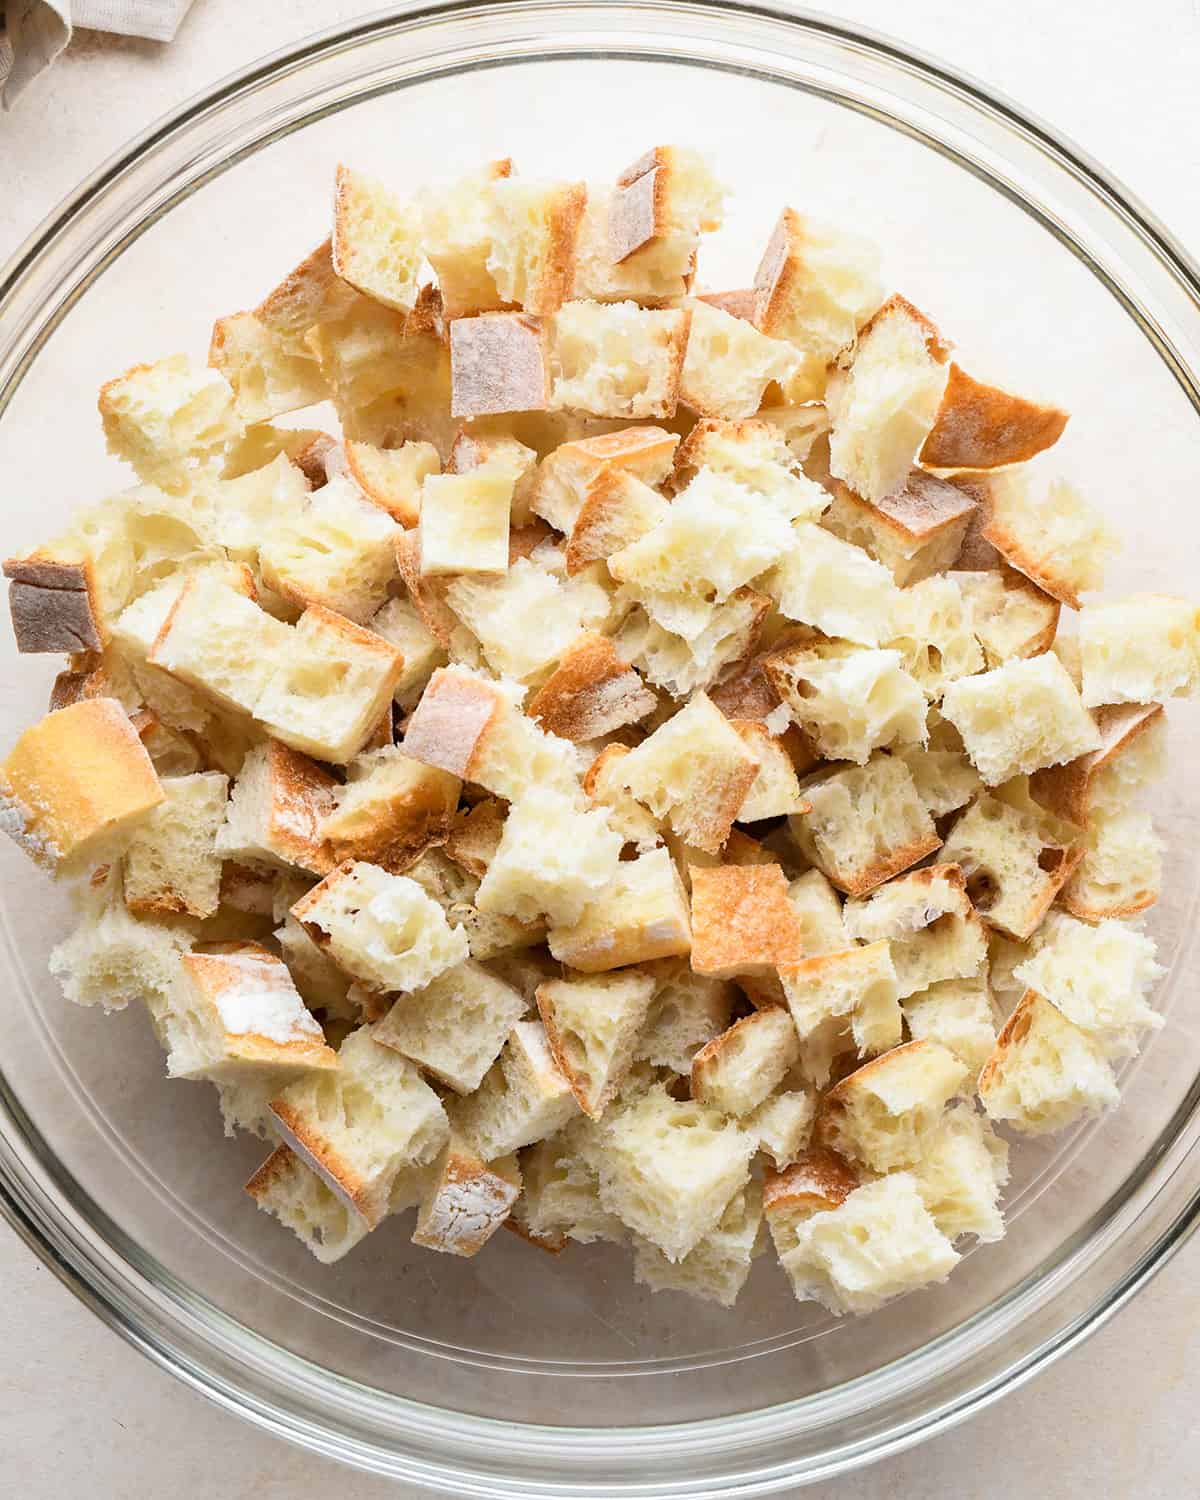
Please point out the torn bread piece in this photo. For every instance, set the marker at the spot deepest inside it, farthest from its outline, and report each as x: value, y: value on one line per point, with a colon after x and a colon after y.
x: 945, y: 779
x: 641, y: 914
x: 979, y: 426
x: 390, y: 809
x: 718, y: 1267
x: 376, y: 244
x: 775, y: 790
x: 53, y: 603
x: 1046, y: 531
x: 289, y: 1189
x: 931, y: 928
x: 681, y: 665
x: 915, y: 531
x: 738, y: 1070
x: 592, y: 1026
x: 499, y: 363
x: 1120, y: 873
x: 1142, y: 649
x: 960, y: 1179
x: 490, y: 936
x: 884, y: 1114
x: 754, y: 453
x: 400, y: 624
x: 828, y: 583
x: 1045, y: 1072
x: 645, y: 453
x: 465, y: 1201
x: 277, y: 806
x: 626, y: 814
x: 742, y: 921
x: 617, y: 510
x: 591, y: 693
x: 172, y: 863
x: 617, y: 359
x: 523, y: 1098
x: 686, y: 1011
x: 960, y: 1014
x: 1010, y: 615
x: 391, y: 478
x: 173, y: 421
x: 554, y: 858
x: 840, y: 1002
x: 729, y: 364
x: 562, y: 1191
x: 1132, y: 753
x: 818, y: 909
x: 816, y: 1182
x: 782, y: 1124
x: 849, y: 700
x: 76, y: 784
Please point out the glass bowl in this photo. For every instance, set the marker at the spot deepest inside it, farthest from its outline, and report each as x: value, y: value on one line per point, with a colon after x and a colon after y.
x: 511, y: 1374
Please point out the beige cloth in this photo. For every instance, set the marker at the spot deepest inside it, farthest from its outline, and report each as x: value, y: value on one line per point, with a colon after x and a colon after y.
x: 36, y: 31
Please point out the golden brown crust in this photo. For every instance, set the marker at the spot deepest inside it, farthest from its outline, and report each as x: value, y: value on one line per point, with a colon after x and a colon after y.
x: 939, y: 349
x: 558, y: 274
x: 781, y: 272
x: 1012, y: 1034
x: 301, y: 796
x: 450, y: 723
x: 748, y: 693
x: 638, y: 210
x: 312, y: 459
x: 924, y: 508
x: 899, y: 860
x: 816, y: 1182
x: 709, y: 1058
x: 316, y: 1152
x: 594, y: 536
x: 981, y: 427
x: 1066, y: 790
x: 411, y: 821
x: 499, y: 362
x: 742, y: 920
x: 553, y: 1242
x: 591, y: 693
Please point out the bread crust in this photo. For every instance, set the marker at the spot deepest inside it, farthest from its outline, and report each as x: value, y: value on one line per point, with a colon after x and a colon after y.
x: 924, y: 509
x: 499, y: 362
x: 1012, y: 1033
x: 425, y: 593
x: 638, y: 210
x: 1066, y: 790
x: 938, y: 347
x: 979, y: 426
x: 816, y: 1182
x: 738, y: 304
x: 53, y: 604
x: 475, y: 836
x: 316, y: 1152
x: 449, y: 724
x: 591, y: 693
x: 742, y: 920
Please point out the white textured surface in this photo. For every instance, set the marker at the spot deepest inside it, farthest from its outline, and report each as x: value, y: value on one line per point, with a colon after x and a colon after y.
x: 80, y: 1412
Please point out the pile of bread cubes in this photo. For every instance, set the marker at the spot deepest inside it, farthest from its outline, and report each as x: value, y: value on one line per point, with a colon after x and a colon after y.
x: 625, y: 779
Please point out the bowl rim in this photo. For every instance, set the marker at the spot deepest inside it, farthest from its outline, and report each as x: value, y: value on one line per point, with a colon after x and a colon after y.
x: 170, y: 1324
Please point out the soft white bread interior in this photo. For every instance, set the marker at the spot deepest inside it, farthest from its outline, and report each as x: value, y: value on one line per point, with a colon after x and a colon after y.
x: 739, y: 1069
x: 173, y: 421
x: 526, y: 618
x: 376, y: 240
x: 289, y: 1189
x: 849, y: 700
x: 961, y: 1178
x: 718, y: 1267
x: 641, y: 914
x: 617, y: 359
x: 592, y: 1025
x: 172, y: 863
x: 934, y: 635
x: 1142, y: 649
x: 391, y: 478
x: 276, y: 810
x: 389, y: 810
x: 928, y: 921
x: 686, y: 1011
x: 833, y: 586
x: 1009, y: 614
x: 1045, y: 1072
x: 1048, y: 532
x: 818, y: 909
x: 729, y: 364
x: 915, y: 531
x: 960, y: 1014
x: 523, y: 1098
x: 842, y: 1002
x: 1121, y: 872
x: 782, y: 1125
x: 883, y: 1115
x: 554, y: 858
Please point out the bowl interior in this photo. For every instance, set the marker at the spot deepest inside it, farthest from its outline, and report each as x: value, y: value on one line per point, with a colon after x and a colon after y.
x: 589, y: 1346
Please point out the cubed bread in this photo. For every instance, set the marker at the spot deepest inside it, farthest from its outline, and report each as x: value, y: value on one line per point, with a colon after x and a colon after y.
x: 979, y: 426
x: 927, y: 919
x: 300, y: 1199
x: 465, y: 1201
x: 592, y: 1026
x: 832, y: 585
x: 526, y: 618
x: 1142, y: 649
x: 533, y: 229
x: 729, y: 364
x: 849, y: 700
x: 1132, y: 753
x: 499, y: 362
x: 563, y: 476
x: 842, y: 1002
x: 455, y: 1026
x: 680, y: 664
x: 1015, y: 860
x: 489, y: 935
x: 1120, y: 873
x: 884, y: 1114
x: 376, y: 240
x: 934, y: 635
x: 639, y: 915
x: 390, y: 809
x: 591, y: 693
x: 961, y: 1177
x: 718, y: 1267
x: 76, y: 784
x: 172, y: 864
x: 686, y: 1011
x: 775, y: 790
x: 884, y: 402
x: 173, y: 752
x: 382, y: 929
x: 742, y: 921
x: 554, y: 858
x: 333, y: 688
x: 54, y: 603
x: 1020, y: 717
x: 562, y: 1191
x: 1045, y: 1073
x: 1050, y: 534
x: 756, y: 455
x: 958, y: 1013
x: 464, y: 522
x: 818, y: 909
x: 1010, y: 615
x: 235, y: 1018
x: 267, y: 373
x: 323, y: 985
x: 400, y: 624
x: 816, y: 287
x: 625, y: 813
x: 617, y: 510
x: 669, y: 1167
x: 276, y: 810
x: 817, y: 1182
x: 523, y: 1098
x: 172, y: 420
x: 866, y: 824
x: 737, y: 1070
x: 338, y: 551
x: 459, y: 222
x: 359, y: 1126
x: 879, y: 1243
x: 782, y: 1124
x: 694, y: 772
x: 391, y: 478
x: 915, y: 531
x: 945, y: 779
x: 617, y: 359
x: 1098, y: 977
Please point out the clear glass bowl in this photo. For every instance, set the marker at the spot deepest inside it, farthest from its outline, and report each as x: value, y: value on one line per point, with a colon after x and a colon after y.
x: 510, y: 1374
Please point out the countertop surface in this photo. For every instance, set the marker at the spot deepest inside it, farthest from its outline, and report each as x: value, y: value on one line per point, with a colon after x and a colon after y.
x: 82, y: 1413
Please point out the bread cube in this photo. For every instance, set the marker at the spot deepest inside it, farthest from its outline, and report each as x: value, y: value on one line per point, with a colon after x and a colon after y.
x: 1015, y: 862
x: 729, y: 364
x: 400, y: 624
x: 499, y: 363
x: 383, y: 929
x: 1010, y: 615
x: 617, y: 359
x: 867, y: 823
x: 927, y: 919
x: 525, y: 618
x: 961, y: 1178
x: 915, y: 531
x: 945, y: 779
x: 322, y: 984
x: 775, y: 791
x: 819, y: 911
x: 817, y: 1182
x: 329, y: 695
x: 842, y: 1002
x: 849, y: 700
x: 54, y: 603
x: 554, y: 858
x: 172, y: 420
x: 465, y: 1201
x: 1120, y: 873
x: 640, y: 914
x: 686, y: 1011
x: 756, y: 455
x: 737, y: 1070
x: 1045, y: 1073
x: 360, y: 1126
x: 172, y: 864
x: 489, y: 934
x: 883, y: 404
x: 464, y: 522
x: 742, y: 921
x: 668, y: 1168
x: 1141, y: 649
x: 376, y: 240
x: 694, y: 772
x: 592, y: 1025
x: 625, y: 814
x: 617, y: 509
x: 718, y: 1267
x: 562, y: 1191
x: 1020, y: 717
x: 885, y: 1114
x: 979, y: 426
x: 1052, y: 536
x: 1132, y: 753
x: 390, y: 810
x: 76, y: 784
x: 523, y: 1098
x: 815, y: 286
x: 681, y: 665
x: 934, y: 635
x: 276, y: 810
x: 289, y: 1189
x: 782, y: 1124
x: 879, y: 1243
x: 591, y: 693
x: 827, y: 583
x: 391, y: 478
x: 563, y: 477
x: 268, y: 377
x: 958, y: 1013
